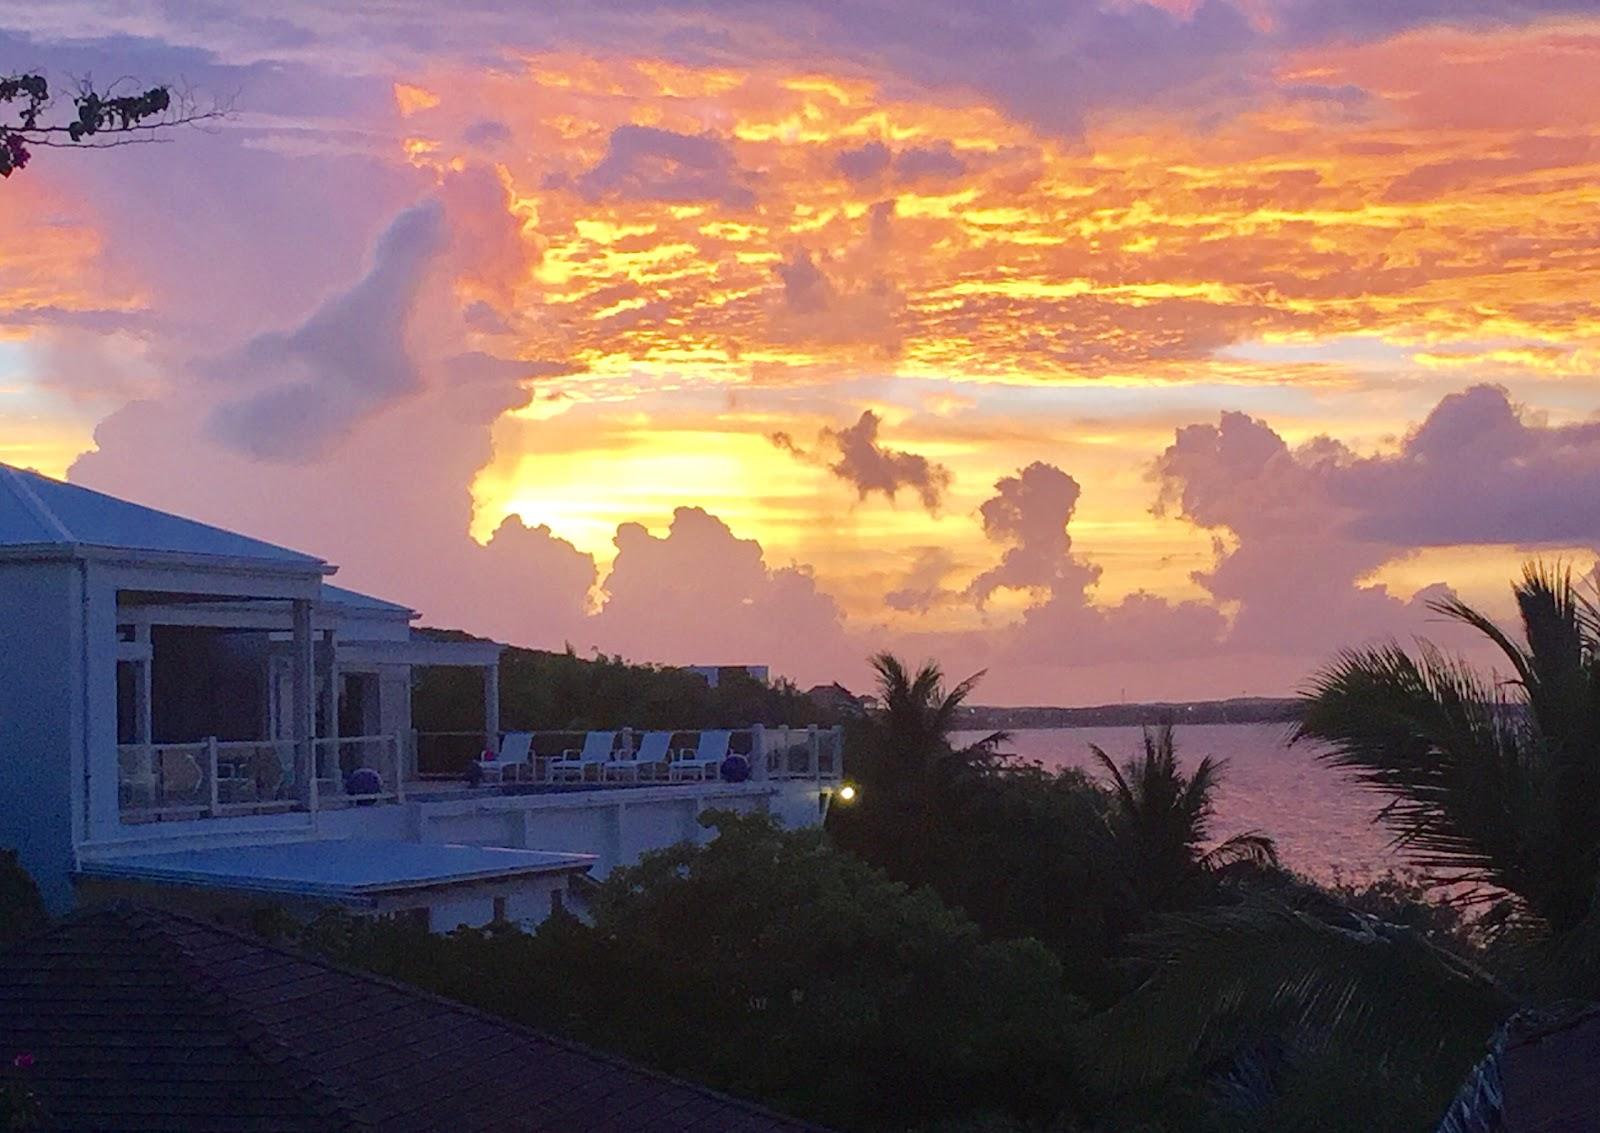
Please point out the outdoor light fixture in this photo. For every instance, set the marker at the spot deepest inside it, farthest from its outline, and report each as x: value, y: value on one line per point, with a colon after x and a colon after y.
x: 845, y: 793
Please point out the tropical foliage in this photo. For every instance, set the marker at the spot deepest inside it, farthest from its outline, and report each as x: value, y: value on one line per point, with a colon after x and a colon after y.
x: 546, y: 691
x: 1494, y: 794
x: 21, y: 907
x: 773, y: 965
x: 1494, y: 785
x: 908, y: 770
x: 981, y: 944
x: 1160, y: 822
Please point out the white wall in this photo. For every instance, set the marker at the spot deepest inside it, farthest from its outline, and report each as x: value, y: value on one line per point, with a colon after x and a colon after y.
x: 617, y: 826
x: 527, y: 902
x: 41, y: 714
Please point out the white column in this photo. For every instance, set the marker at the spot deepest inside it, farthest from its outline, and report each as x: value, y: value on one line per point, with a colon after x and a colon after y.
x: 491, y: 706
x: 144, y: 695
x: 330, y: 665
x: 758, y: 752
x: 330, y: 668
x: 304, y: 699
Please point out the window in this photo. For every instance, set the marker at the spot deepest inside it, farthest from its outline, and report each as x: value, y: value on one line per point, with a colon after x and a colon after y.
x: 558, y: 899
x: 499, y: 910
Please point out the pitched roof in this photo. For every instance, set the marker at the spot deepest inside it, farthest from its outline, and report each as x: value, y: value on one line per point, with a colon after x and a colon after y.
x: 38, y: 511
x: 142, y: 1020
x: 342, y: 596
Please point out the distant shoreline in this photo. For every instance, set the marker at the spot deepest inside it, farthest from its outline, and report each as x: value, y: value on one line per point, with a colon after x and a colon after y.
x: 1239, y: 710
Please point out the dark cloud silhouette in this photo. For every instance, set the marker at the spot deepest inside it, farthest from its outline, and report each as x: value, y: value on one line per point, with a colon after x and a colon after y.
x: 701, y: 595
x: 817, y: 309
x: 854, y: 455
x: 1029, y: 514
x: 1478, y: 470
x: 486, y: 132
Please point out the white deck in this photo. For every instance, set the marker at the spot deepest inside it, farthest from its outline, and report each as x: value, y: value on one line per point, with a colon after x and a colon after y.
x: 340, y: 870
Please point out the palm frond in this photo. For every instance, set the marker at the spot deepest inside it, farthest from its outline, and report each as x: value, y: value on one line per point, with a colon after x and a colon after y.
x: 1225, y: 979
x: 1445, y: 749
x: 1455, y: 609
x: 1252, y: 847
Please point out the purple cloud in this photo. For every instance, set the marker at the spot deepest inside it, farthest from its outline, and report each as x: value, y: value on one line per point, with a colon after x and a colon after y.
x: 347, y: 360
x: 644, y: 163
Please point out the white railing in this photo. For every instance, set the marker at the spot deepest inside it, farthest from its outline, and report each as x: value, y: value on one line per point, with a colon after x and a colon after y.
x: 799, y: 753
x: 780, y: 752
x: 218, y: 778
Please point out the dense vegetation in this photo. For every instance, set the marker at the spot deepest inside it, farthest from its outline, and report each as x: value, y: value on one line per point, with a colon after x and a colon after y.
x: 979, y: 944
x: 544, y: 691
x: 1199, y: 986
x: 773, y: 965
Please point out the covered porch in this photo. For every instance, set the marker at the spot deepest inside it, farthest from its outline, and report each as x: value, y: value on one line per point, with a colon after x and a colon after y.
x: 263, y: 706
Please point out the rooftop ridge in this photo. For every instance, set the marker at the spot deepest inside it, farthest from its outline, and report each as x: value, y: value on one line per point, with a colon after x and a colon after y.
x: 41, y: 510
x: 30, y: 500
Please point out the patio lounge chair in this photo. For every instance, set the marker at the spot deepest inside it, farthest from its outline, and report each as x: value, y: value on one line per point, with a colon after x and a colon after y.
x: 653, y: 751
x: 515, y: 751
x: 704, y: 759
x: 596, y: 752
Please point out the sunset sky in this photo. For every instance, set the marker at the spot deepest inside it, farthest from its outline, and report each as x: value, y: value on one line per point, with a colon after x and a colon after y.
x: 1121, y: 347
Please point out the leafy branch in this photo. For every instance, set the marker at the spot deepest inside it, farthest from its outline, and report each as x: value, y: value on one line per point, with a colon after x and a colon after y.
x: 100, y: 118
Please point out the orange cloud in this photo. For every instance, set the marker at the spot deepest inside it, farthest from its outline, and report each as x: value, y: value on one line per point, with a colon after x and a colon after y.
x: 759, y: 229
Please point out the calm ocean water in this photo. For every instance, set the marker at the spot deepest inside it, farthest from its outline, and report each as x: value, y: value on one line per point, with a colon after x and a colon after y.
x: 1323, y: 824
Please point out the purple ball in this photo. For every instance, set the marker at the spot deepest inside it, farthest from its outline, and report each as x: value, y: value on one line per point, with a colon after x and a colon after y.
x: 363, y: 781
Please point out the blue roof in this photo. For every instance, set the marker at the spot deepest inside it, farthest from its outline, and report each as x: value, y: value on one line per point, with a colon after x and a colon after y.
x: 341, y: 596
x: 336, y: 869
x: 38, y: 511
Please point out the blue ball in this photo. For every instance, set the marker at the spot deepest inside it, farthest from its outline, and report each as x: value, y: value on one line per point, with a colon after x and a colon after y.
x: 363, y: 781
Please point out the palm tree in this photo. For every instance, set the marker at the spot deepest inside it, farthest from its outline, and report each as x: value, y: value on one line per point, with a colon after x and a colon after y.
x: 1494, y: 790
x: 906, y: 766
x: 1494, y: 786
x: 1160, y: 820
x: 919, y: 715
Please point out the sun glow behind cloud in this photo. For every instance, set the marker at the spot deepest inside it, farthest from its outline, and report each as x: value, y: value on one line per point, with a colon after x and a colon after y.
x: 699, y: 252
x: 763, y: 231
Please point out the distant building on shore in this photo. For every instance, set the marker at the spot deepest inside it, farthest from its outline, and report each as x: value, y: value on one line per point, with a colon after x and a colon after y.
x: 839, y: 702
x: 714, y: 675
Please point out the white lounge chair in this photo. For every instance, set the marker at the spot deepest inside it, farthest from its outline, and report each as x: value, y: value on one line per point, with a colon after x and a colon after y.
x: 515, y: 751
x: 653, y: 751
x: 704, y: 759
x: 596, y: 752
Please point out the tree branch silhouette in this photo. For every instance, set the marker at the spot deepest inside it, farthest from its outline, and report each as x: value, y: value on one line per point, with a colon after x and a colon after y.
x: 100, y: 118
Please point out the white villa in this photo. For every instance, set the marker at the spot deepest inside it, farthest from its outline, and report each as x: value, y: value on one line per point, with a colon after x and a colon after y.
x: 197, y: 717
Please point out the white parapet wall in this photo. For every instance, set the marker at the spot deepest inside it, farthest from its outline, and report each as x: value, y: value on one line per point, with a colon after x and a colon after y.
x: 616, y: 826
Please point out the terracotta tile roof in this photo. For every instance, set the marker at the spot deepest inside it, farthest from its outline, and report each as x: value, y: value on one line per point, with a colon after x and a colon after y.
x: 146, y: 1020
